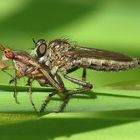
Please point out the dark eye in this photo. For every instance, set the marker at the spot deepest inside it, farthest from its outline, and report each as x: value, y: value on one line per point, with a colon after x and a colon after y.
x: 41, y: 50
x: 40, y: 47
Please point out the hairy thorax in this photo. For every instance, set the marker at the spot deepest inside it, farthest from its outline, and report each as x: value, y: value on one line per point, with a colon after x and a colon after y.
x: 59, y: 56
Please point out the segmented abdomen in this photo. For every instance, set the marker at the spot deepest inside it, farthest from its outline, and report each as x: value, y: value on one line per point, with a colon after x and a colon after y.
x: 107, y: 65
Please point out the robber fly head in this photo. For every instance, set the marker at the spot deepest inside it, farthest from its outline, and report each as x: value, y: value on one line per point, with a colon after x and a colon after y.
x: 8, y: 53
x: 40, y: 47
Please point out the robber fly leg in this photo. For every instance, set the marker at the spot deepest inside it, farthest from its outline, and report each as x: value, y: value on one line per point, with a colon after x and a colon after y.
x: 12, y: 81
x: 79, y: 82
x: 85, y: 87
x: 67, y: 98
x: 84, y: 74
x: 57, y: 84
x: 47, y: 100
x: 60, y: 81
x: 30, y: 94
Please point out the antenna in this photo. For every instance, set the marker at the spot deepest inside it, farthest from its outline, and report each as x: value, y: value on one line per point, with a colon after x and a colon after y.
x: 34, y: 41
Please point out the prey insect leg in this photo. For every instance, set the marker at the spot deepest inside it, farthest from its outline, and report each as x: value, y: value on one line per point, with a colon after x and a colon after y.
x: 14, y: 80
x: 15, y: 90
x: 30, y: 94
x: 85, y: 87
x: 8, y: 73
x: 4, y: 67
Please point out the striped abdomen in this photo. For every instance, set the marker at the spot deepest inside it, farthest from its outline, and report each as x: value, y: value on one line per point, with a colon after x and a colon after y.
x: 108, y: 65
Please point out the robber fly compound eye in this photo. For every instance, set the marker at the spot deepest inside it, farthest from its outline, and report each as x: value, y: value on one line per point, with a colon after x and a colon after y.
x: 41, y: 47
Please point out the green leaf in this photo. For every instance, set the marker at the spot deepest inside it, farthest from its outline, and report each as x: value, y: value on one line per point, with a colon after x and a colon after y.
x: 85, y: 116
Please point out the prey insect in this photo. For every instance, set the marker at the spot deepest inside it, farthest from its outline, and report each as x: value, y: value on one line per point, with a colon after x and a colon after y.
x: 26, y: 66
x: 63, y: 57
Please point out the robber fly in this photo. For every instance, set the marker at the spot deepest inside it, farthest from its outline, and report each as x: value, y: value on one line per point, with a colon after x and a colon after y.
x: 63, y: 57
x: 26, y: 66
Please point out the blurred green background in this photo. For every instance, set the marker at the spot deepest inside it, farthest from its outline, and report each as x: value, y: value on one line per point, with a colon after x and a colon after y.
x: 106, y: 24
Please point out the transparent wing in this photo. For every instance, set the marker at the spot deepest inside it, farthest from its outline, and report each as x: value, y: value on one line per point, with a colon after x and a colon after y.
x: 100, y: 54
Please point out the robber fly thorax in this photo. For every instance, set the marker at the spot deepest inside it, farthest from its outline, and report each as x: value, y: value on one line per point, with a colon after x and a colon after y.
x: 56, y: 56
